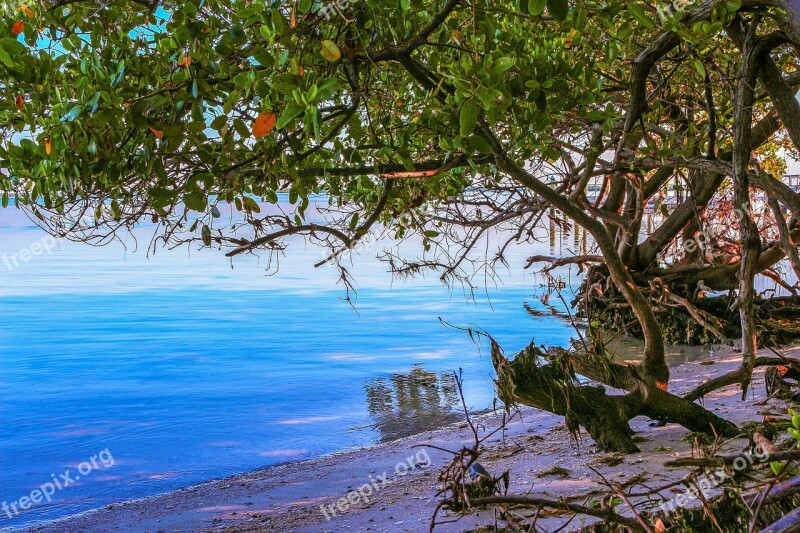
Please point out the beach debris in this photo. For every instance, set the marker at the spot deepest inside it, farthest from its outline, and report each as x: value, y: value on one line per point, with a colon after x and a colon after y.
x: 476, y: 471
x: 777, y: 382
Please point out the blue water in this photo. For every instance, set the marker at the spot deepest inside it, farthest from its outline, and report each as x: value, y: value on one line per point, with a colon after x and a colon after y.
x: 187, y: 367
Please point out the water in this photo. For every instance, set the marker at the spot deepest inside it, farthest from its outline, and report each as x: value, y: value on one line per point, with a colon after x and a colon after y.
x: 187, y: 367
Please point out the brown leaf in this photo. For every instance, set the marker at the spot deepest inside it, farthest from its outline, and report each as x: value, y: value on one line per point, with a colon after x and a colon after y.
x: 17, y: 27
x: 20, y: 102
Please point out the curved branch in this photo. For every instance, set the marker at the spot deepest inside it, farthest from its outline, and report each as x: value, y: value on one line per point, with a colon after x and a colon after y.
x: 394, y: 53
x: 364, y: 228
x: 294, y: 230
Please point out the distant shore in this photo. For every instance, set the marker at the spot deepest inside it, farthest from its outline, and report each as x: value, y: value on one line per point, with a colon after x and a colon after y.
x: 307, y: 496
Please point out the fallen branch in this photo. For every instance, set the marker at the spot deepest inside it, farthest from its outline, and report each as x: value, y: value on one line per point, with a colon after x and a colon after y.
x: 604, y: 514
x: 785, y: 489
x: 727, y: 460
x: 790, y: 523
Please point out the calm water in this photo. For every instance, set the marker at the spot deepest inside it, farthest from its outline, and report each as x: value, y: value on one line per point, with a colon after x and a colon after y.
x: 186, y: 367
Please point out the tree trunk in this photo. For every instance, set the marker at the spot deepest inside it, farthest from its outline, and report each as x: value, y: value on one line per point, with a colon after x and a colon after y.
x: 554, y: 387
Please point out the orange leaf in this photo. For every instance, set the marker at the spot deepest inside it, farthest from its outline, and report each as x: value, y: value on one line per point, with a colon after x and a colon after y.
x: 293, y: 20
x: 47, y: 146
x: 25, y: 9
x: 17, y: 28
x: 20, y: 102
x: 264, y: 124
x: 185, y: 62
x: 157, y: 133
x: 301, y: 71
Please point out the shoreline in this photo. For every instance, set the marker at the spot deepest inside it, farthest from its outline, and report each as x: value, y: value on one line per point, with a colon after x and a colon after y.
x: 536, y: 448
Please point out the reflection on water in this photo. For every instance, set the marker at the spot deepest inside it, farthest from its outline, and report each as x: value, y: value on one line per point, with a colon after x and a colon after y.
x: 411, y: 402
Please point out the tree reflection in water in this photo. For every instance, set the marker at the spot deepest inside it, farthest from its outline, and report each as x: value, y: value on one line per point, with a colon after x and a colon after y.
x: 409, y: 403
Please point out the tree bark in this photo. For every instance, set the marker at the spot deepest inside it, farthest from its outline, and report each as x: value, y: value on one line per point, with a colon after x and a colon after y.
x: 553, y: 387
x: 749, y: 237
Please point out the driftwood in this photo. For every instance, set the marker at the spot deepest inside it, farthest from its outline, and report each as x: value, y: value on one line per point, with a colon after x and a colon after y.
x: 553, y: 386
x: 790, y: 523
x: 790, y: 487
x: 727, y: 460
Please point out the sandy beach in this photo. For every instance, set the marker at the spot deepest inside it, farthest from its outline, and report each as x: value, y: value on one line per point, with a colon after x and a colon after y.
x: 311, y: 496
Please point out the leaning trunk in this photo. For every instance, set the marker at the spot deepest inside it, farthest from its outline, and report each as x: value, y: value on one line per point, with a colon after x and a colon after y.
x: 551, y: 383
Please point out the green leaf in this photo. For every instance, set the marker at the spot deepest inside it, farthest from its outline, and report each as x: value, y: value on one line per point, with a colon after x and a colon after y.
x: 558, y: 9
x: 206, y: 235
x: 596, y: 115
x: 468, y: 117
x: 72, y: 114
x: 536, y: 7
x: 291, y: 112
x: 501, y: 65
x: 636, y: 11
x: 119, y: 75
x: 5, y: 58
x: 195, y: 201
x: 698, y: 66
x: 219, y: 122
x: 480, y: 144
x: 734, y: 5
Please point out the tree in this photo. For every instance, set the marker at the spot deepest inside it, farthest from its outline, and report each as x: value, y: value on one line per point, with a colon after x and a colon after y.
x: 438, y: 117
